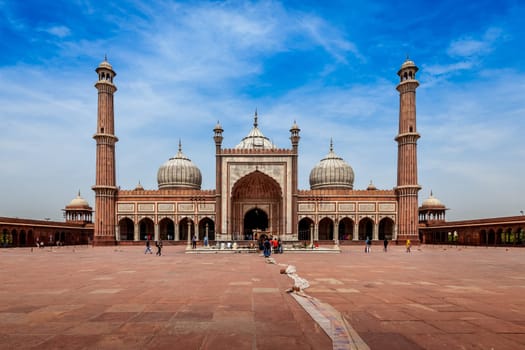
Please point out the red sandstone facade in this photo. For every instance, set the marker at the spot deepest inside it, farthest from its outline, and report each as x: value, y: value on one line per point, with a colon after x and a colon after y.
x: 256, y: 189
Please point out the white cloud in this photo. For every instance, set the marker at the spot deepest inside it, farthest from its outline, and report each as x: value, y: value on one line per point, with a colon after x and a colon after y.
x: 59, y: 31
x: 468, y: 50
x: 470, y: 47
x: 440, y: 69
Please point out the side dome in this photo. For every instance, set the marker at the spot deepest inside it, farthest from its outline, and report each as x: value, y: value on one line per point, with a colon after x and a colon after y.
x: 332, y: 172
x: 432, y: 203
x: 179, y: 172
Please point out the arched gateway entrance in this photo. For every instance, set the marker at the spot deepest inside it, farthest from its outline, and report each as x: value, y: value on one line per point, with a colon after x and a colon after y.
x: 255, y: 220
x: 256, y: 205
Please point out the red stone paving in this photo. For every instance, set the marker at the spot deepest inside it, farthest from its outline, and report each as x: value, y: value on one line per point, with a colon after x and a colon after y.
x: 118, y: 298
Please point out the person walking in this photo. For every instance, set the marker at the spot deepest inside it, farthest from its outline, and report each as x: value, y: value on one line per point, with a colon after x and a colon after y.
x: 194, y: 242
x: 267, y: 248
x: 159, y: 247
x: 148, y: 247
x: 408, y: 244
x: 385, y: 244
x: 368, y: 244
x: 205, y: 241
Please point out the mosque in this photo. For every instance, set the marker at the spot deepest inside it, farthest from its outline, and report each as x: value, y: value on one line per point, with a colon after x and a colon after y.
x: 256, y: 188
x: 257, y: 193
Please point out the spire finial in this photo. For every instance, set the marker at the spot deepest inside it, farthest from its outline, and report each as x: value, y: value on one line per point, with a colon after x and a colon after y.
x: 180, y: 146
x: 105, y: 57
x: 255, y: 119
x: 79, y: 193
x: 431, y: 195
x: 331, y: 145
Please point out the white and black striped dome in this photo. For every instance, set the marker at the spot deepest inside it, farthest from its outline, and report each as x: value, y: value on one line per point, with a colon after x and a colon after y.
x: 332, y: 172
x: 179, y: 172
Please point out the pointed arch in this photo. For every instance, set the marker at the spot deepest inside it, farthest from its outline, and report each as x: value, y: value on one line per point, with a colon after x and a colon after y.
x: 366, y: 228
x: 126, y: 229
x: 305, y: 227
x: 207, y: 226
x: 346, y: 229
x: 146, y: 229
x: 256, y: 191
x: 326, y: 229
x: 186, y: 227
x: 386, y: 229
x: 166, y: 229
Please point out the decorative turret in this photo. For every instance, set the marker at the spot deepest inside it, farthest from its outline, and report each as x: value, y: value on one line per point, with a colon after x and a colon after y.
x: 78, y: 210
x: 218, y: 135
x: 432, y: 210
x: 294, y: 134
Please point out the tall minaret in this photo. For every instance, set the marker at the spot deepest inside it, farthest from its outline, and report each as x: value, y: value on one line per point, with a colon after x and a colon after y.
x: 105, y: 187
x: 294, y: 137
x: 218, y: 180
x: 407, y: 186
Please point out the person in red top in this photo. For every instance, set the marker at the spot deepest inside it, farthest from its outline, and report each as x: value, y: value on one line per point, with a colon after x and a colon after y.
x: 274, y: 244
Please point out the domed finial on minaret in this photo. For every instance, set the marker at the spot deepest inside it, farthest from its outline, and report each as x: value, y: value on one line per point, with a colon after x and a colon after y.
x: 331, y: 145
x: 294, y: 134
x: 255, y: 119
x: 218, y: 134
x: 180, y: 145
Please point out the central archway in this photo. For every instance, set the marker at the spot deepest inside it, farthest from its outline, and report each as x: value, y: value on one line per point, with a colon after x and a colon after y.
x: 255, y: 219
x: 256, y: 203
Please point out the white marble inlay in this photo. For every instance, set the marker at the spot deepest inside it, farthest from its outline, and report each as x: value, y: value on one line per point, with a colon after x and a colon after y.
x: 105, y: 291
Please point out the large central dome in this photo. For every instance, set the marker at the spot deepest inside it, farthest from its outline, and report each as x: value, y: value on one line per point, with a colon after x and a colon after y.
x: 255, y: 139
x: 179, y: 172
x: 332, y: 172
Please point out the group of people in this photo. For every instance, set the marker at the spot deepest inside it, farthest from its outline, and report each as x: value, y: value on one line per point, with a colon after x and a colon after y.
x: 194, y: 241
x: 267, y: 245
x: 158, y: 244
x: 368, y: 245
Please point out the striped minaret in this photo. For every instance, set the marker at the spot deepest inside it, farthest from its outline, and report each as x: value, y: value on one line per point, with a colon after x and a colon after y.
x: 105, y: 187
x: 407, y: 187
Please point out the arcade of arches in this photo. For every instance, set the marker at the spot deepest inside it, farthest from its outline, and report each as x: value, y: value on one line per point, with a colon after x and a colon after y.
x: 167, y: 229
x: 346, y: 229
x: 489, y: 232
x: 15, y: 232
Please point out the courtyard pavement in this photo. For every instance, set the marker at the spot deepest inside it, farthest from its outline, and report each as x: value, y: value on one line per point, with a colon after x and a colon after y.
x: 436, y: 297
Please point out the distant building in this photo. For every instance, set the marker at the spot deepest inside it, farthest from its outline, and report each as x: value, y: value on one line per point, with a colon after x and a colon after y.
x: 256, y: 188
x: 77, y: 229
x: 434, y: 229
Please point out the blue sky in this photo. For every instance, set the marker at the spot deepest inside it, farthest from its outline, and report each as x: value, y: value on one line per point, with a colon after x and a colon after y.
x: 330, y: 66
